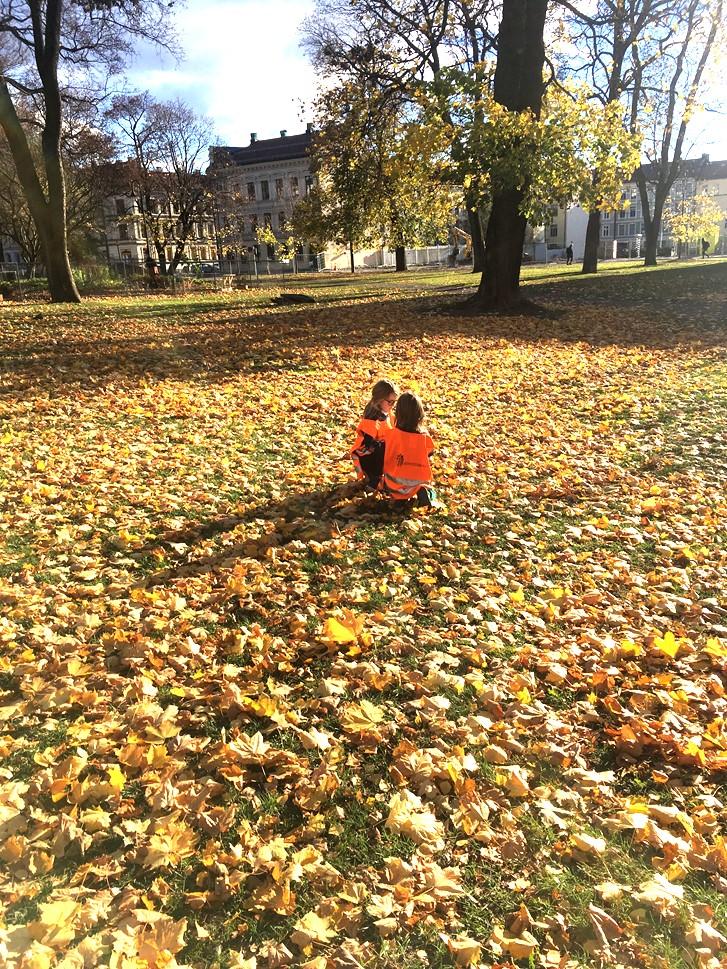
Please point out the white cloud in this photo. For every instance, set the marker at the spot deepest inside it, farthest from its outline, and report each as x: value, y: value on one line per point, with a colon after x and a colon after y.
x: 242, y: 67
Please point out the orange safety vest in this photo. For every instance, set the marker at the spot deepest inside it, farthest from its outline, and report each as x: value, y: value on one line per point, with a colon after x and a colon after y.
x: 406, y: 463
x: 371, y: 429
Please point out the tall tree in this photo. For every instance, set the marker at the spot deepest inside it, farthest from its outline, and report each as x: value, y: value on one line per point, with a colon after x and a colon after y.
x: 668, y: 96
x: 168, y: 142
x: 40, y: 42
x: 518, y: 87
x: 401, y: 43
x: 601, y: 44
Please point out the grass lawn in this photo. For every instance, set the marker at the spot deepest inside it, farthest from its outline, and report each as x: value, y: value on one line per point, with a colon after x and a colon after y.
x: 252, y: 718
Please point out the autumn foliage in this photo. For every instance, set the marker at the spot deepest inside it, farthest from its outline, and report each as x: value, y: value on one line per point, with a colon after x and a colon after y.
x: 252, y: 718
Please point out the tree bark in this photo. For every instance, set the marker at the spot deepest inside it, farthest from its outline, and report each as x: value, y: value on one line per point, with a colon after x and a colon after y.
x: 476, y: 234
x: 518, y: 86
x: 350, y: 251
x: 593, y: 238
x: 400, y: 255
x: 652, y: 216
x: 500, y: 283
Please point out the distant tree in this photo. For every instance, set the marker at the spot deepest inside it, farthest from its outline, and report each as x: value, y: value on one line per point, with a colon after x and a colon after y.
x: 42, y: 41
x: 602, y: 39
x: 394, y: 161
x: 669, y: 96
x: 396, y: 46
x: 169, y: 144
x: 86, y: 153
x: 693, y: 218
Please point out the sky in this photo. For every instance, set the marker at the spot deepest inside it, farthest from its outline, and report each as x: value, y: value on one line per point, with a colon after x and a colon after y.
x: 244, y: 69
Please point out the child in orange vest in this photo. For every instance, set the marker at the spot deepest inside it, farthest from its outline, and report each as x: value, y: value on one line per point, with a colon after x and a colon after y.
x: 367, y: 452
x: 407, y: 471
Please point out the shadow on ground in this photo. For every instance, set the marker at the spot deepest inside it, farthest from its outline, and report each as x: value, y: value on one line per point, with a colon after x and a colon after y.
x: 209, y: 340
x: 314, y: 514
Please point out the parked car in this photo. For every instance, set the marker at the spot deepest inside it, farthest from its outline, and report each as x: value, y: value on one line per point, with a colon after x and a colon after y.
x: 198, y: 269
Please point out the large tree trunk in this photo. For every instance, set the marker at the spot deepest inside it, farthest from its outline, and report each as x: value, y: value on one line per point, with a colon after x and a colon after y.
x: 593, y: 238
x: 49, y: 214
x: 518, y: 86
x: 400, y: 256
x: 500, y: 283
x: 61, y: 284
x: 652, y: 218
x: 161, y: 256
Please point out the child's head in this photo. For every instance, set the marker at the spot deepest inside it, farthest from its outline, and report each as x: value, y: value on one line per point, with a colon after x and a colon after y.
x: 383, y: 396
x: 409, y: 412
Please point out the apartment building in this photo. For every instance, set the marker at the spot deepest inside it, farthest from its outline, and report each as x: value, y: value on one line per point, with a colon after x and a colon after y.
x: 622, y: 232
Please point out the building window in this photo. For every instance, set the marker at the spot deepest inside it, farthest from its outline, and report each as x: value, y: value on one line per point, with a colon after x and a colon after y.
x: 251, y: 191
x: 253, y: 224
x: 294, y: 190
x: 123, y: 231
x: 281, y: 220
x: 554, y: 230
x: 553, y: 210
x: 271, y: 251
x: 308, y: 183
x: 202, y: 253
x: 121, y: 206
x: 264, y: 189
x: 279, y: 191
x: 268, y: 220
x: 622, y: 229
x: 605, y: 231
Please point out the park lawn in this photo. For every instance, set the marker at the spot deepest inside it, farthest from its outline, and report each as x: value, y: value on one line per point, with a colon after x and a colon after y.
x: 253, y: 718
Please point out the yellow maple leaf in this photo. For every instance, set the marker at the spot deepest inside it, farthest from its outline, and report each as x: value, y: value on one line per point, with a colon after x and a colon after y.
x: 409, y: 816
x: 667, y: 644
x: 56, y: 925
x: 117, y: 778
x: 347, y: 629
x: 361, y: 717
x: 312, y: 929
x: 715, y: 647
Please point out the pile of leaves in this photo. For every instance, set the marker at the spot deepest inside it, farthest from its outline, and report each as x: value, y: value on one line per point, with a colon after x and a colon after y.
x: 252, y: 717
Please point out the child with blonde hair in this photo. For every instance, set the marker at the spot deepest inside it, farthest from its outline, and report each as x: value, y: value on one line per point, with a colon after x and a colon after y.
x: 367, y: 452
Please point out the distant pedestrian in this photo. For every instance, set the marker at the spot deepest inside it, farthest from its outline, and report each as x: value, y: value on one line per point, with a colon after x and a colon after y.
x: 705, y: 246
x: 569, y: 254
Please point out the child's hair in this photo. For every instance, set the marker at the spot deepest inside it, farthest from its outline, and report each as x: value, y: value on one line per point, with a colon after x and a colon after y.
x: 380, y: 390
x: 409, y: 413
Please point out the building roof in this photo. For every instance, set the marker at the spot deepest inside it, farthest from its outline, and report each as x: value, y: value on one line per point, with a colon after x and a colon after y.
x: 699, y: 168
x: 266, y: 150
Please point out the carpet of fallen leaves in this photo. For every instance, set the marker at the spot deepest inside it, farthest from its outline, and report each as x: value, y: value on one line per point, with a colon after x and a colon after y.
x: 252, y: 718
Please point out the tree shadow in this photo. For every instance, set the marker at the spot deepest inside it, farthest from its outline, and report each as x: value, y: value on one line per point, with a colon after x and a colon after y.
x: 317, y: 514
x: 206, y: 341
